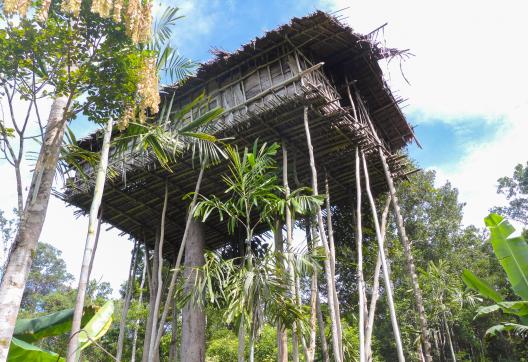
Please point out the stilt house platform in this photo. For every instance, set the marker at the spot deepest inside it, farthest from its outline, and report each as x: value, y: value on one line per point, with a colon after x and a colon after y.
x: 315, y: 63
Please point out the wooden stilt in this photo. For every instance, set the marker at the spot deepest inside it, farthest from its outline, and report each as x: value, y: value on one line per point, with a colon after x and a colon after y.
x: 409, y: 259
x: 172, y: 284
x: 386, y: 276
x: 375, y: 287
x: 328, y: 270
x: 289, y: 241
x: 331, y: 245
x: 282, y: 336
x: 359, y: 247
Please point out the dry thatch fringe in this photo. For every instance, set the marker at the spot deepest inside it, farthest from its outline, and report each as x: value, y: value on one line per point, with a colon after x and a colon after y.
x: 102, y: 7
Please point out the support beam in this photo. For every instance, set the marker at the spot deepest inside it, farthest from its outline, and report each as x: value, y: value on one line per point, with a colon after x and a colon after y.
x: 193, y: 315
x: 322, y: 236
x: 409, y: 259
x: 386, y: 275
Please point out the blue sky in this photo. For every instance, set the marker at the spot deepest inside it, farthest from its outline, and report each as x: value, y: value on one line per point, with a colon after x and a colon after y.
x: 467, y: 94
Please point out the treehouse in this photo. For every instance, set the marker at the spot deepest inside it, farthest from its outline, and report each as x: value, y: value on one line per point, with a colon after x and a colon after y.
x: 313, y: 86
x: 315, y: 63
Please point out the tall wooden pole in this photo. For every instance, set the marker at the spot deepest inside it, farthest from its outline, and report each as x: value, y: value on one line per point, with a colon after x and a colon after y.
x: 386, y: 276
x: 409, y: 259
x: 172, y: 284
x: 375, y: 287
x: 73, y: 345
x: 126, y: 303
x: 359, y: 247
x: 282, y: 336
x: 153, y: 351
x: 331, y: 245
x: 289, y: 242
x: 322, y: 236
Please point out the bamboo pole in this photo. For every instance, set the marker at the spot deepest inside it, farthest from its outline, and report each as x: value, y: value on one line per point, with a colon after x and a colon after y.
x: 73, y: 345
x: 328, y: 270
x: 375, y: 287
x: 126, y: 304
x: 386, y: 276
x: 409, y: 259
x: 359, y: 247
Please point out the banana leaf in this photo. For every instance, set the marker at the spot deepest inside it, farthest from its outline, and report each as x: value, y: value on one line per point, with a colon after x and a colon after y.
x: 23, y: 351
x: 31, y: 330
x: 98, y: 325
x: 475, y: 283
x: 511, y: 252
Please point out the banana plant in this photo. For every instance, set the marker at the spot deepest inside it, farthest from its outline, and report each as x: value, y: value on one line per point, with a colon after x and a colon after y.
x: 512, y: 253
x: 95, y: 323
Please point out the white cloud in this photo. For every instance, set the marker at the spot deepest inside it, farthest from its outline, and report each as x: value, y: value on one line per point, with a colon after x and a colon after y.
x: 470, y: 57
x: 470, y: 63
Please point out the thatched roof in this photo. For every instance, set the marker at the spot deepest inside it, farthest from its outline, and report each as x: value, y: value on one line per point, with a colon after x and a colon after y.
x: 133, y: 202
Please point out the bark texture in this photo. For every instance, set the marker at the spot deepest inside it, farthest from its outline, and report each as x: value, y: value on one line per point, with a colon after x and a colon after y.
x: 193, y: 316
x: 32, y: 220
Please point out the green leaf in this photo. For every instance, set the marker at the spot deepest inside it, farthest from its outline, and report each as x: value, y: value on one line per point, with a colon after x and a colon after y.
x: 23, y: 351
x: 487, y: 310
x: 475, y: 283
x: 98, y: 325
x: 519, y: 329
x: 30, y: 330
x: 511, y: 252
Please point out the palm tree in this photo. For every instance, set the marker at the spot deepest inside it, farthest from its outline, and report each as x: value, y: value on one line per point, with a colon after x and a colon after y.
x: 254, y: 198
x: 167, y: 138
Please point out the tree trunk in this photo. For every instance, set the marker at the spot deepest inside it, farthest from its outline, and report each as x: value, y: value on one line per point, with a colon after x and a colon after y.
x: 375, y: 287
x: 173, y: 350
x: 193, y: 315
x: 241, y: 340
x: 409, y: 259
x: 153, y: 351
x: 359, y: 247
x: 73, y: 345
x: 174, y: 277
x: 282, y: 336
x: 25, y: 243
x: 126, y: 304
x: 140, y: 302
x: 449, y: 341
x: 327, y: 266
x: 386, y: 276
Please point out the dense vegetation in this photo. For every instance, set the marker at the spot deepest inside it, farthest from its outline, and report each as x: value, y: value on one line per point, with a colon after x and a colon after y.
x: 443, y: 248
